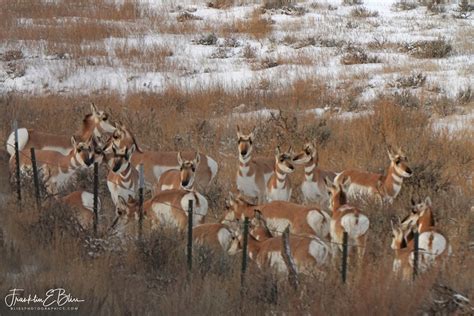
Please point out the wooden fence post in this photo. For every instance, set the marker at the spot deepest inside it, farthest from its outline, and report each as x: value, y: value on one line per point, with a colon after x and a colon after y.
x: 36, y: 178
x: 415, y: 253
x: 344, y: 257
x: 17, y: 161
x: 190, y: 235
x: 96, y: 197
x: 140, y: 201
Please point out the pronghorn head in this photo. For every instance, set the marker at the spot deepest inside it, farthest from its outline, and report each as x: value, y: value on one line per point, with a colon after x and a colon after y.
x: 125, y: 212
x: 119, y: 160
x: 237, y: 208
x: 399, y: 162
x: 121, y: 138
x: 100, y: 121
x: 424, y: 213
x: 308, y: 153
x: 83, y: 152
x: 284, y: 160
x: 258, y: 228
x: 398, y: 236
x: 337, y: 193
x: 98, y: 147
x: 188, y: 171
x: 234, y: 228
x: 245, y: 142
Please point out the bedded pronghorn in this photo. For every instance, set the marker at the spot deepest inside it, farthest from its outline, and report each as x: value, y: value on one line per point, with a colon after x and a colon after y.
x: 82, y: 203
x: 253, y: 172
x: 303, y: 220
x: 96, y: 123
x: 56, y: 169
x: 346, y: 218
x: 309, y: 253
x: 182, y: 178
x: 386, y: 187
x: 217, y: 236
x: 157, y: 162
x: 278, y: 185
x: 166, y: 209
x: 122, y: 178
x: 313, y: 186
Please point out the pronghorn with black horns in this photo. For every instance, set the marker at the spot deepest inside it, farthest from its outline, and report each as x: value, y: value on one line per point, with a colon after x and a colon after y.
x: 346, y: 218
x: 279, y: 186
x: 253, y: 172
x: 313, y: 186
x: 122, y: 178
x: 183, y: 178
x: 96, y: 123
x: 384, y: 187
x: 155, y: 163
x: 56, y: 169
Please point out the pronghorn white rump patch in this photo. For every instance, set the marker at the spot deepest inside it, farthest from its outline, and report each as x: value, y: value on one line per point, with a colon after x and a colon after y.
x: 225, y: 238
x: 277, y: 225
x: 22, y: 140
x: 355, y: 226
x: 319, y: 222
x: 164, y: 213
x: 318, y: 250
x: 87, y: 199
x: 433, y: 244
x: 200, y: 206
x: 277, y: 262
x: 213, y: 166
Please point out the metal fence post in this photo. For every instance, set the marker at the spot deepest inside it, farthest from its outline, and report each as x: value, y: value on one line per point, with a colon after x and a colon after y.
x: 415, y: 253
x: 35, y: 178
x: 140, y: 201
x: 96, y: 197
x: 190, y: 235
x: 290, y: 263
x: 244, y: 263
x: 17, y: 161
x: 344, y: 257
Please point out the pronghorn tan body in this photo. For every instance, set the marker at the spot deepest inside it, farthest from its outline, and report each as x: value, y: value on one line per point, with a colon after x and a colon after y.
x: 56, y: 169
x: 216, y: 236
x: 166, y: 209
x: 182, y: 178
x: 253, y: 172
x: 278, y: 185
x: 303, y: 220
x: 313, y: 186
x: 122, y: 179
x: 82, y: 202
x: 309, y: 253
x: 346, y: 218
x: 384, y: 187
x: 94, y: 124
x: 155, y: 163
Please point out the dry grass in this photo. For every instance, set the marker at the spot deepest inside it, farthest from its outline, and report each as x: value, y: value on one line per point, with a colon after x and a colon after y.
x: 256, y: 26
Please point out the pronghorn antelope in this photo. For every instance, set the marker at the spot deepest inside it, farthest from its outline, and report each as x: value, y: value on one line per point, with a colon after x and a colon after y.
x: 217, y: 236
x: 313, y: 186
x: 56, y: 169
x: 96, y: 123
x: 309, y: 253
x: 386, y: 187
x: 122, y: 178
x: 278, y: 186
x: 346, y: 218
x: 168, y: 208
x: 155, y: 163
x: 82, y: 202
x: 182, y: 178
x: 253, y: 173
x: 303, y: 220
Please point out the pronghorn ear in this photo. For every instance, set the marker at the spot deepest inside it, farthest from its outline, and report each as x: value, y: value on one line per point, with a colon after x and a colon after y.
x: 428, y: 201
x: 239, y: 133
x: 252, y: 134
x: 231, y: 198
x: 290, y: 149
x: 328, y: 182
x: 94, y: 109
x: 73, y: 141
x: 197, y: 160
x: 277, y: 151
x: 131, y: 151
x: 180, y: 159
x: 391, y: 155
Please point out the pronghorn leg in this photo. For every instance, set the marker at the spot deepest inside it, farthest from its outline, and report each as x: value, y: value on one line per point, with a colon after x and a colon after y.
x: 361, y: 242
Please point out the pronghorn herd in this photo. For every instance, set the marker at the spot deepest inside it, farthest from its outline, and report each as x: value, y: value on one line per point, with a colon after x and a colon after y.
x: 264, y: 196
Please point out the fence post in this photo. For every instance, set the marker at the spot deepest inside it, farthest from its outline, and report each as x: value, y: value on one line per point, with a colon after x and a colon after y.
x: 96, y: 197
x: 244, y: 262
x: 17, y: 161
x: 140, y: 201
x: 344, y: 257
x: 415, y: 253
x: 35, y: 178
x: 190, y: 235
x: 290, y: 263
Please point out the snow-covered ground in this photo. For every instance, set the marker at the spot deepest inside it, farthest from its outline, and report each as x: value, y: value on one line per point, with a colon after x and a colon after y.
x: 306, y: 46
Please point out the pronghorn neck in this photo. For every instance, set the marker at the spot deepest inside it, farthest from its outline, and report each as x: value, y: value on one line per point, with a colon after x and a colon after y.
x: 281, y: 177
x: 88, y: 127
x: 310, y: 169
x: 392, y: 183
x: 244, y: 164
x: 127, y: 172
x: 426, y: 220
x: 254, y: 247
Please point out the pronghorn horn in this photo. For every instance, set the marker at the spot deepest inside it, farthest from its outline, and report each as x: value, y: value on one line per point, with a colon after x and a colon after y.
x: 428, y: 201
x: 290, y: 149
x: 122, y: 200
x: 328, y: 182
x: 73, y: 141
x: 277, y: 150
x: 180, y: 159
x: 198, y: 158
x: 94, y: 109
